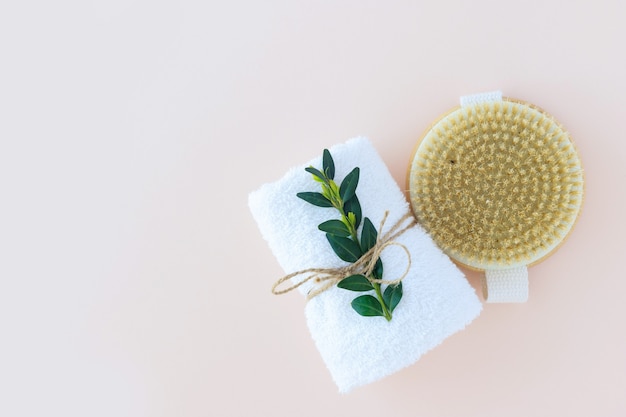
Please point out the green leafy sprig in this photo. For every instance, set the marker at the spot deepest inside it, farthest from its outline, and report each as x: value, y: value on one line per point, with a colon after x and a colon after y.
x: 342, y: 234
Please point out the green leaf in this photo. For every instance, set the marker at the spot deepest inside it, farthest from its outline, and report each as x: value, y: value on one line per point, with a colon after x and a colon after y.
x: 315, y: 173
x: 368, y: 235
x: 328, y: 165
x: 378, y: 269
x: 392, y: 296
x: 351, y: 220
x: 355, y: 283
x: 327, y: 192
x: 317, y: 199
x: 346, y: 249
x: 366, y: 305
x: 347, y: 189
x: 353, y: 206
x: 334, y: 227
x: 368, y: 240
x: 333, y: 187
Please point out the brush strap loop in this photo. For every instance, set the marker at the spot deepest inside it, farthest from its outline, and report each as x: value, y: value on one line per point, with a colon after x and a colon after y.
x: 506, y: 285
x: 488, y: 97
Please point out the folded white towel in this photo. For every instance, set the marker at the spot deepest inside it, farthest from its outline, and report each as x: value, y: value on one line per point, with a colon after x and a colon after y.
x: 437, y: 301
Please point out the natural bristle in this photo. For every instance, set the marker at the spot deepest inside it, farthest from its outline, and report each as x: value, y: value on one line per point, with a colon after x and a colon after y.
x: 496, y: 184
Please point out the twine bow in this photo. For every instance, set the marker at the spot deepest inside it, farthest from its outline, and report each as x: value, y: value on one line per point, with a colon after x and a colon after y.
x: 329, y: 277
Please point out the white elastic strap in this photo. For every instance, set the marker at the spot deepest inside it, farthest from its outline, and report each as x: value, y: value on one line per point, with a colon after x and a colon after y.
x: 506, y: 285
x: 487, y: 97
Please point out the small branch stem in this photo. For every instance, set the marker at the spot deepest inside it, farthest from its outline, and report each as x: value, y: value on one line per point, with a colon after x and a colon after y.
x: 379, y: 295
x: 338, y: 204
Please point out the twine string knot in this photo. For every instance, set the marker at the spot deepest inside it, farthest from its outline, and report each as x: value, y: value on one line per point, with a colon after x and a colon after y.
x: 326, y: 278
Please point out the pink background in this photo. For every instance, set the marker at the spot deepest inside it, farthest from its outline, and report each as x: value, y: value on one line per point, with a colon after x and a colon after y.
x: 133, y: 279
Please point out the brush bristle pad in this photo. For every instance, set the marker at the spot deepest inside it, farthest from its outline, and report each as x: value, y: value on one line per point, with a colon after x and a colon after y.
x: 496, y: 184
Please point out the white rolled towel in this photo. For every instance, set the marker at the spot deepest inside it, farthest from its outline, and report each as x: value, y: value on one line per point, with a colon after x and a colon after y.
x: 437, y: 302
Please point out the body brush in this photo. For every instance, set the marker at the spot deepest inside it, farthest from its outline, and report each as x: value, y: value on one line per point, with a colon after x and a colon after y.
x: 499, y: 185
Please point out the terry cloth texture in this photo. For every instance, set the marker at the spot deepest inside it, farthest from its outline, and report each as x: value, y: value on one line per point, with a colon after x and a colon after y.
x: 438, y: 301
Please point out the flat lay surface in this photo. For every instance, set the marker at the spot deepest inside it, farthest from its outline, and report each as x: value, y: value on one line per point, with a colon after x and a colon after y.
x: 134, y: 280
